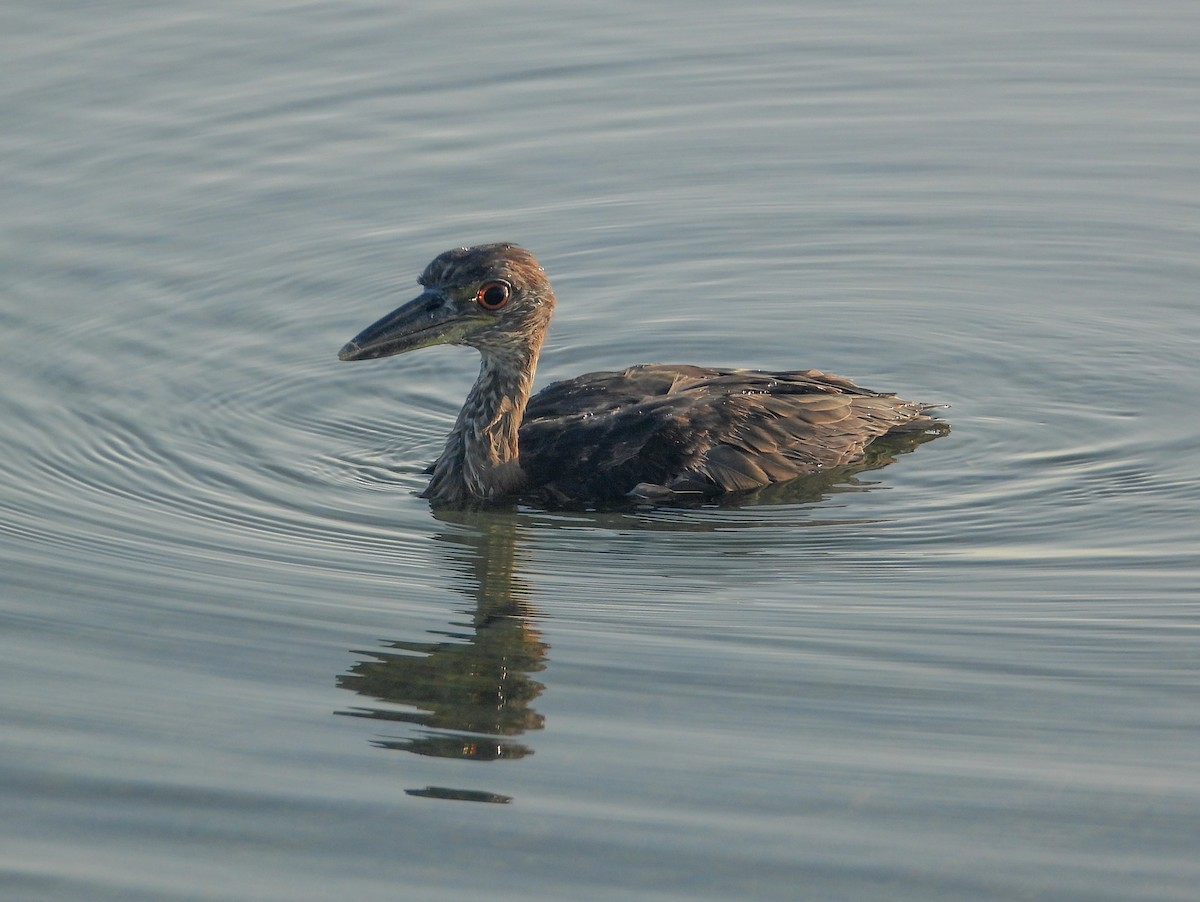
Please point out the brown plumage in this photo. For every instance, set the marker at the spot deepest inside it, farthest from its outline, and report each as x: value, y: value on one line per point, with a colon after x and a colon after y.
x: 657, y: 432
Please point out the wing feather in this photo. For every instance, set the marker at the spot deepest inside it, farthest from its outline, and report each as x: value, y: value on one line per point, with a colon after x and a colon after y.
x: 692, y: 429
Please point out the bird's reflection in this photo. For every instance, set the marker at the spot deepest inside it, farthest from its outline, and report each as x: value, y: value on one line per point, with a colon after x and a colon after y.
x: 470, y: 692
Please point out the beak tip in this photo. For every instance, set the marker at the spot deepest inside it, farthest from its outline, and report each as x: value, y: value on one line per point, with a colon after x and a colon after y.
x: 349, y: 351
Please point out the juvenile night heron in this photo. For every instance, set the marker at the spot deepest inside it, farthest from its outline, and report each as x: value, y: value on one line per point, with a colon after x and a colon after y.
x: 657, y: 432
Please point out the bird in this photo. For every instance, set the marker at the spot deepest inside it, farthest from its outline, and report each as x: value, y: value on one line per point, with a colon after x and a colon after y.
x: 657, y: 433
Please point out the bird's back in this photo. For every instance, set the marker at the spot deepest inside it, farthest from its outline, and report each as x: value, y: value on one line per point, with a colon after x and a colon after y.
x: 673, y: 429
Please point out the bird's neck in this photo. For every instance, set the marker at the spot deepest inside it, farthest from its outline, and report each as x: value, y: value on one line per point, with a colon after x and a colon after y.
x: 481, y: 457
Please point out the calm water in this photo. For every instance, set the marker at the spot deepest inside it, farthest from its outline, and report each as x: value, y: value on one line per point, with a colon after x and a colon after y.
x: 243, y: 661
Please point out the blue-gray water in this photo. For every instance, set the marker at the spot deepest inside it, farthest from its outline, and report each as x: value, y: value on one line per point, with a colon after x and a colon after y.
x: 243, y: 661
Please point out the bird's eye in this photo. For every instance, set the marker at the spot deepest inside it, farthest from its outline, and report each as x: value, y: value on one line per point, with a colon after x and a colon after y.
x: 493, y: 295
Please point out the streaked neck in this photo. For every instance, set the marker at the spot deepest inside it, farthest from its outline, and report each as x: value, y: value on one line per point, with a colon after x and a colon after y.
x: 481, y: 458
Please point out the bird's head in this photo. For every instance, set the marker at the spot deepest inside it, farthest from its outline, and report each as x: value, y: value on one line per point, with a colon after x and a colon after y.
x: 494, y: 297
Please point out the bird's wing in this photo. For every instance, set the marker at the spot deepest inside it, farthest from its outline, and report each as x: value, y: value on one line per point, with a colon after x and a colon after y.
x: 690, y: 429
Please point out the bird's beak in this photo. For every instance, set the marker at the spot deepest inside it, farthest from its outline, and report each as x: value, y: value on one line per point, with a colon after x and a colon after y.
x: 429, y: 319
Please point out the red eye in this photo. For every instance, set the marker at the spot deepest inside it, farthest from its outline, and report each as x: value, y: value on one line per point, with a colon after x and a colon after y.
x: 493, y: 295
